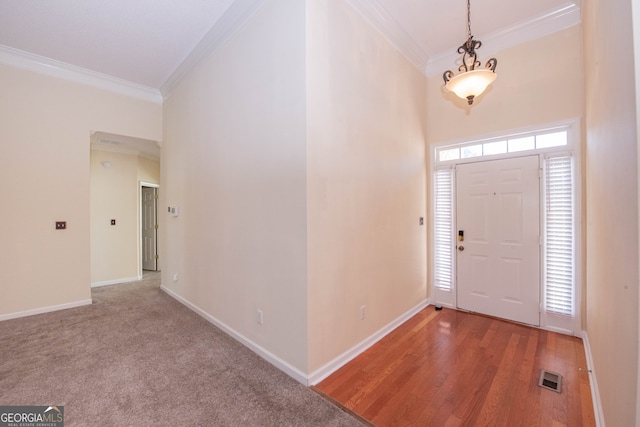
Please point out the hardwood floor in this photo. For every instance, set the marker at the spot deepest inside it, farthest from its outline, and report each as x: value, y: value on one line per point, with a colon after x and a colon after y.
x: 450, y: 368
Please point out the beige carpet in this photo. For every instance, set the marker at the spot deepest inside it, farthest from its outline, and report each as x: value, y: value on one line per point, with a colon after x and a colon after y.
x: 136, y: 357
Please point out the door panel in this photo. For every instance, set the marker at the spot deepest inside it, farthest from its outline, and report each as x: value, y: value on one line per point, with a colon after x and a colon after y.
x: 498, y: 262
x: 149, y: 231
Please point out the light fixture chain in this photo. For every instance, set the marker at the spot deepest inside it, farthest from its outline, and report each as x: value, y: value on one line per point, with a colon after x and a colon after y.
x: 469, y: 19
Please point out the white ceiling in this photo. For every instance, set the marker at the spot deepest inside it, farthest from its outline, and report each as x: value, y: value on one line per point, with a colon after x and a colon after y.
x: 146, y: 41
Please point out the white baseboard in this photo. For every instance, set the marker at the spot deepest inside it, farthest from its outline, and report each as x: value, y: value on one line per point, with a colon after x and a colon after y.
x: 116, y: 281
x: 595, y: 392
x: 44, y: 310
x: 290, y: 370
x: 285, y: 367
x: 338, y: 362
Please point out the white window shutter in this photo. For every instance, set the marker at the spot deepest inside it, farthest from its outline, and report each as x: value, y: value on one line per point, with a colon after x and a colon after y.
x: 443, y: 229
x: 559, y: 236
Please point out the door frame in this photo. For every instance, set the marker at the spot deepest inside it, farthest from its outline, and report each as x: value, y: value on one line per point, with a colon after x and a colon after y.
x: 140, y: 246
x: 571, y: 325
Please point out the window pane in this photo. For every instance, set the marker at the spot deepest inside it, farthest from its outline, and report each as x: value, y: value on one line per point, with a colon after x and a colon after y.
x: 499, y: 147
x: 472, y: 151
x: 451, y: 154
x: 522, y: 144
x: 551, y: 140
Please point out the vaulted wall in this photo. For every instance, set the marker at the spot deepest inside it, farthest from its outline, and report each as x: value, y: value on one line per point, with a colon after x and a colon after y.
x: 234, y: 162
x: 296, y: 156
x: 612, y: 206
x: 366, y: 181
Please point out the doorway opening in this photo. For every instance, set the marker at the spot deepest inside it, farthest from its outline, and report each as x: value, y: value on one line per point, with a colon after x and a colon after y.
x: 119, y: 165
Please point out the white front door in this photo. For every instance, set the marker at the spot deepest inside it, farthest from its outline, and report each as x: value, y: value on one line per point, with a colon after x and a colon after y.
x: 149, y: 228
x: 498, y: 248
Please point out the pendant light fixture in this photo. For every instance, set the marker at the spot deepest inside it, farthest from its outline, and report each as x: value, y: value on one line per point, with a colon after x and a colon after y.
x: 472, y: 80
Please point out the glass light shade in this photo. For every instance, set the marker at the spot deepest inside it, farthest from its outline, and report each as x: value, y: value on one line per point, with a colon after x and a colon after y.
x: 470, y: 84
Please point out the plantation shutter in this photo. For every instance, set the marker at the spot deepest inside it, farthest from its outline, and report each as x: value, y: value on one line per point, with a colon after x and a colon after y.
x: 443, y: 229
x: 559, y: 236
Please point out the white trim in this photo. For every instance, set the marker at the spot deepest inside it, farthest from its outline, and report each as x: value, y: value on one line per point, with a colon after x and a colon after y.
x: 548, y: 23
x: 116, y: 281
x: 42, y: 310
x: 556, y: 329
x: 288, y: 369
x: 378, y: 17
x: 148, y: 184
x: 593, y: 382
x: 323, y: 372
x: 231, y: 21
x: 319, y: 374
x: 50, y: 67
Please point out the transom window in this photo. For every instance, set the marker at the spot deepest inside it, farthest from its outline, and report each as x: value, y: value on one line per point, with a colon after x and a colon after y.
x: 515, y: 144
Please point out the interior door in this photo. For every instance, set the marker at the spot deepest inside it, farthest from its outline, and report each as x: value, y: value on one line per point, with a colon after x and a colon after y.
x: 498, y: 248
x: 149, y: 228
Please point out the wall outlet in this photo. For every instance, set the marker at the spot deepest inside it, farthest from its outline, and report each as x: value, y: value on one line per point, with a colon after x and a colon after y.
x: 363, y: 312
x: 259, y: 317
x: 175, y: 277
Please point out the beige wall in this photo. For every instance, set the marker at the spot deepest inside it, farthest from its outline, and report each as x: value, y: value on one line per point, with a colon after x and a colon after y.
x: 366, y: 181
x: 612, y: 206
x: 234, y: 162
x: 115, y: 194
x: 44, y: 177
x: 539, y: 82
x: 148, y: 170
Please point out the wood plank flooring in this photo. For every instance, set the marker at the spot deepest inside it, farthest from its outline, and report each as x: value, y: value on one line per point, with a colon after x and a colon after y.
x: 450, y: 368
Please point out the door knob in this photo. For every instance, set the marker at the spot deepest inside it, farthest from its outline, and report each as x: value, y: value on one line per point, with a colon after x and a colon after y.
x: 461, y: 248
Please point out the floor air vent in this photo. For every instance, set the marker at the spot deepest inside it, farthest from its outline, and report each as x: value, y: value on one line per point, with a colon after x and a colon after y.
x: 550, y: 381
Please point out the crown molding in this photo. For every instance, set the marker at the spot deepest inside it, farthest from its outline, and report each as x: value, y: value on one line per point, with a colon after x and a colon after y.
x: 50, y: 67
x: 381, y: 20
x: 232, y: 20
x: 533, y: 29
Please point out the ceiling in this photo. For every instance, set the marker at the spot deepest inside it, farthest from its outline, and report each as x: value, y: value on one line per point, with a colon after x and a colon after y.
x: 146, y: 41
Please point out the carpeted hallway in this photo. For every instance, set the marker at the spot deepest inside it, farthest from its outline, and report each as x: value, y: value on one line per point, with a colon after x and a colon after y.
x: 136, y: 357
